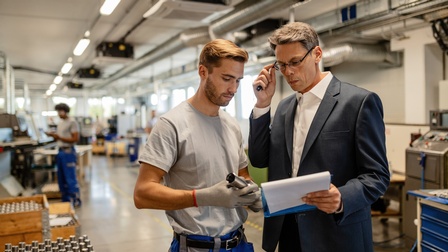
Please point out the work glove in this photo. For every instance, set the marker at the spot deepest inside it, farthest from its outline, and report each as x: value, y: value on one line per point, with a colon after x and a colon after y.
x: 223, y: 196
x: 258, y: 204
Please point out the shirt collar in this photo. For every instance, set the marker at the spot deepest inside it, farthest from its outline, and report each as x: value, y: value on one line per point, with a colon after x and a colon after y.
x: 321, y: 87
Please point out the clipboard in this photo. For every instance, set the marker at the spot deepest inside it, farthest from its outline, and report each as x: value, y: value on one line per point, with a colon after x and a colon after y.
x: 297, y: 209
x: 284, y: 196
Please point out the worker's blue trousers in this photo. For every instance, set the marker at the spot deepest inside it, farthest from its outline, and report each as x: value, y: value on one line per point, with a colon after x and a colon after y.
x: 68, y: 183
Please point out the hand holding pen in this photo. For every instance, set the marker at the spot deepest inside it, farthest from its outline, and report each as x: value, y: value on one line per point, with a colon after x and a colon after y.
x: 264, y: 86
x: 266, y: 76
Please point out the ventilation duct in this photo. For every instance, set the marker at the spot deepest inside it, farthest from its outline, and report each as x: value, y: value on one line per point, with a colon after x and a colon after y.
x: 186, y: 10
x: 440, y: 33
x: 373, y: 14
x: 249, y: 13
x: 337, y: 54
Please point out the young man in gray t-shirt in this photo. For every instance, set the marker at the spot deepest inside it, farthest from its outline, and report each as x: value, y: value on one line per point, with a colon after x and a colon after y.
x: 192, y: 148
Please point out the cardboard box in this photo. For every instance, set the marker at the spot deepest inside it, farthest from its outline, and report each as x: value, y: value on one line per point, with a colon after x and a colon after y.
x: 26, y: 226
x: 64, y: 209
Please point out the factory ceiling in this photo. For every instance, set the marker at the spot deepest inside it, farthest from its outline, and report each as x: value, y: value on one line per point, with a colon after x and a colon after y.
x: 158, y: 41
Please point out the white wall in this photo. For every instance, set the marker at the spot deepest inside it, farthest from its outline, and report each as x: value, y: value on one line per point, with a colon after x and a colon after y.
x: 422, y: 64
x: 388, y: 83
x: 434, y: 73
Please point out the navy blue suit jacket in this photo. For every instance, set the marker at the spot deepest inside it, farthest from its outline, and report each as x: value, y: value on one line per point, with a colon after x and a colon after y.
x: 346, y: 138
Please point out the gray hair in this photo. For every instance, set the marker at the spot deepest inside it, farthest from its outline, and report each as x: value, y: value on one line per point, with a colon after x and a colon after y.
x: 294, y: 32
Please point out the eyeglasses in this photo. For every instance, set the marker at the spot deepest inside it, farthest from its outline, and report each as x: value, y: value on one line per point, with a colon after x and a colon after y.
x: 292, y: 64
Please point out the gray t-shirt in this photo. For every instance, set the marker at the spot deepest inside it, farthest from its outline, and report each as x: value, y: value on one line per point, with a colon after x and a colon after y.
x: 65, y: 129
x: 197, y: 151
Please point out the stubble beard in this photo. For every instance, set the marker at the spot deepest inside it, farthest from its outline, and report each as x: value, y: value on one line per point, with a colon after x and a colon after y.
x: 212, y: 94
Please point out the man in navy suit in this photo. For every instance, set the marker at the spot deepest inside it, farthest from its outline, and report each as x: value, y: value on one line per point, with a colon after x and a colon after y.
x: 327, y: 125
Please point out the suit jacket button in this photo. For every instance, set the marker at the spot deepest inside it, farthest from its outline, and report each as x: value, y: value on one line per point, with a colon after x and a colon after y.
x: 289, y: 174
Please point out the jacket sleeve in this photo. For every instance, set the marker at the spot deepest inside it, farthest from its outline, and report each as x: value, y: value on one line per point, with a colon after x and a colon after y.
x: 371, y: 161
x: 259, y: 134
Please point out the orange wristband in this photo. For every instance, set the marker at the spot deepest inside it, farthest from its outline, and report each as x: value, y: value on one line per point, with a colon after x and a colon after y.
x: 194, y: 198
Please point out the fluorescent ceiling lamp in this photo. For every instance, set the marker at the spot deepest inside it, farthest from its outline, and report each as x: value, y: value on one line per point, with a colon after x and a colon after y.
x: 81, y: 46
x: 52, y: 87
x: 48, y: 92
x: 66, y: 67
x: 108, y: 7
x: 57, y: 80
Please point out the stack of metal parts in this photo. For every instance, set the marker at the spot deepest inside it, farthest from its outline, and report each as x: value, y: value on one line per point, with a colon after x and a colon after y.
x: 82, y: 244
x: 51, y: 190
x: 67, y: 215
x: 17, y: 207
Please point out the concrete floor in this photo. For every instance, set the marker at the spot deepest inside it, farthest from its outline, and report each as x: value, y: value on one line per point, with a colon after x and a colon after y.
x: 108, y: 216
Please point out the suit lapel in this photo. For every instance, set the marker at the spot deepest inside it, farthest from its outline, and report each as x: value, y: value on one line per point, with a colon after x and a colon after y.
x: 289, y: 125
x: 323, y: 112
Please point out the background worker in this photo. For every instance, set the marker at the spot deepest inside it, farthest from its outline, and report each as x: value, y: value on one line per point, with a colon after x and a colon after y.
x: 151, y: 122
x: 193, y: 147
x: 67, y: 134
x: 327, y: 125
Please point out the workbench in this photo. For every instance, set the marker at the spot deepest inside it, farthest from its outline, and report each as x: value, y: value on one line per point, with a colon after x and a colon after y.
x: 83, y: 154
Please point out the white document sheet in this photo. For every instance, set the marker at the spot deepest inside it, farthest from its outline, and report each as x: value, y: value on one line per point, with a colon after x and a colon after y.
x: 60, y: 221
x: 287, y: 193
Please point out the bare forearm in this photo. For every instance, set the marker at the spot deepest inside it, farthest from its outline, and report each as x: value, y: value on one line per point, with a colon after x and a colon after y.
x: 154, y: 195
x: 67, y: 140
x: 73, y: 139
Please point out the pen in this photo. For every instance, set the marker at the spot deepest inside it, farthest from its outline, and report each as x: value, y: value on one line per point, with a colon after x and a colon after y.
x: 259, y: 87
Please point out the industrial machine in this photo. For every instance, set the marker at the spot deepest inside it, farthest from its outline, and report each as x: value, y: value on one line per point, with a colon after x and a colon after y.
x: 85, y: 129
x: 426, y: 166
x: 20, y: 134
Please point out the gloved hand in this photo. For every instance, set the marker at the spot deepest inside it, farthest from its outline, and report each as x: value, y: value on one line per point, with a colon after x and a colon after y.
x: 223, y: 196
x: 258, y: 204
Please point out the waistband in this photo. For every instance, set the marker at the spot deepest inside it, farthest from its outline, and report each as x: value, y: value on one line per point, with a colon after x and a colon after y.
x: 66, y: 147
x: 230, y: 243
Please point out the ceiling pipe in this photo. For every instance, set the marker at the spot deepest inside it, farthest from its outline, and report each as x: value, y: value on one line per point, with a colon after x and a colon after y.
x: 385, y: 18
x: 248, y: 13
x: 347, y: 52
x: 244, y: 15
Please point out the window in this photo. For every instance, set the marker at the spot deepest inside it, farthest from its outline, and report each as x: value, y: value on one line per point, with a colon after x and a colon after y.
x: 178, y: 96
x: 231, y: 107
x: 248, y: 98
x: 190, y: 92
x: 71, y: 102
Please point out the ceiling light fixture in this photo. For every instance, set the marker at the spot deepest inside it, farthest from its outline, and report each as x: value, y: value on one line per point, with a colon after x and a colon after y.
x: 48, y: 93
x: 66, y: 67
x: 81, y: 46
x: 57, y: 80
x: 52, y: 87
x: 108, y: 7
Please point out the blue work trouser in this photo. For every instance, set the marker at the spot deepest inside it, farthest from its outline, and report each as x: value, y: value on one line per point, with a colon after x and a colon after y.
x: 68, y: 183
x: 243, y: 246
